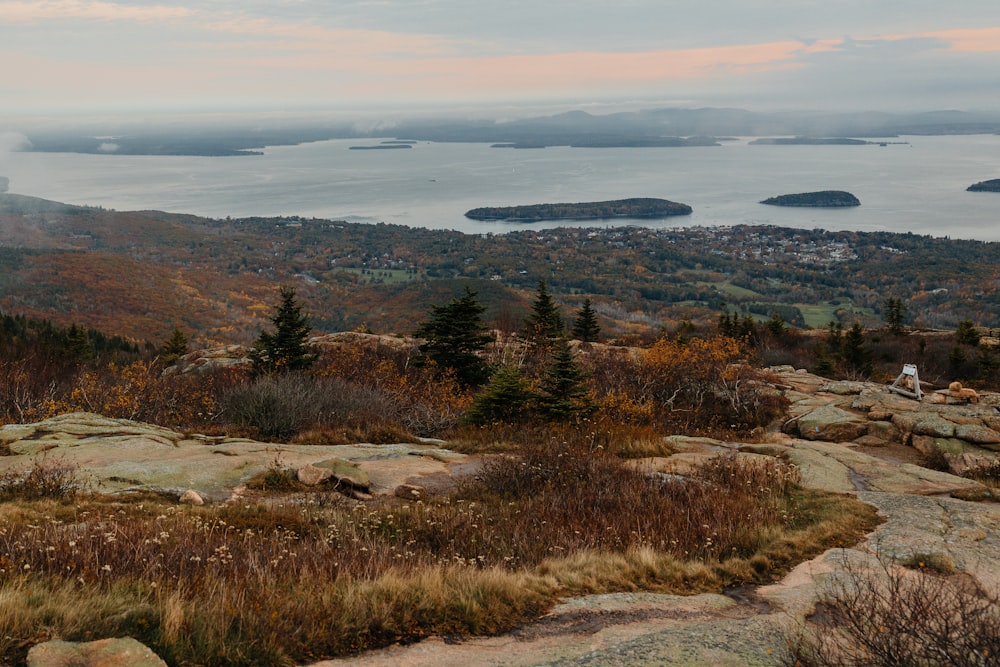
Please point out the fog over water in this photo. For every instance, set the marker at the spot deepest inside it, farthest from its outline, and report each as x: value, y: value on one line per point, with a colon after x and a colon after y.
x: 919, y: 187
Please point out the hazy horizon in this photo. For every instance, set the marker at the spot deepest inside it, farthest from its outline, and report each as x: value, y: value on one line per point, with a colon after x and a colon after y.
x: 83, y: 59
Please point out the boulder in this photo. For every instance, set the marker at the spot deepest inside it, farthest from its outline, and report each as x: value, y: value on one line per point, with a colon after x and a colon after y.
x: 310, y: 475
x: 977, y: 433
x: 933, y: 425
x: 923, y: 423
x: 960, y: 455
x: 410, y: 492
x: 345, y: 473
x: 191, y: 497
x: 123, y: 652
x: 844, y: 388
x: 832, y: 425
x: 885, y: 431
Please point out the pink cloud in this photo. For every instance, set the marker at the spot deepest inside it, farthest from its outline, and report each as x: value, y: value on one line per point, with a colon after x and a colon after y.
x: 28, y: 12
x: 959, y: 40
x: 542, y: 72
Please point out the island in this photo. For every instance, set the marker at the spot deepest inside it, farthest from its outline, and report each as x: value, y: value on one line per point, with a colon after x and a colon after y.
x: 822, y: 199
x: 4, y: 183
x: 638, y: 207
x: 380, y: 147
x: 810, y: 141
x: 985, y: 186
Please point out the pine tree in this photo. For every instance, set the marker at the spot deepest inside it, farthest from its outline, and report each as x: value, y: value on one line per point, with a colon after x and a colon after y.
x: 287, y: 348
x: 455, y: 335
x: 545, y: 323
x: 894, y: 316
x: 564, y: 393
x: 585, y: 328
x: 78, y: 346
x: 506, y: 398
x: 835, y: 337
x: 856, y: 355
x: 175, y: 347
x: 967, y: 333
x: 776, y: 325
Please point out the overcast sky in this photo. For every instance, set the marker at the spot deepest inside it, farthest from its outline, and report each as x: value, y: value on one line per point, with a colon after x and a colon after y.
x: 81, y: 56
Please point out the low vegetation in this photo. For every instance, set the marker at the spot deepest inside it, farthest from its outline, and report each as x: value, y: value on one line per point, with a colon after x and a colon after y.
x: 287, y: 576
x: 292, y: 578
x: 916, y: 612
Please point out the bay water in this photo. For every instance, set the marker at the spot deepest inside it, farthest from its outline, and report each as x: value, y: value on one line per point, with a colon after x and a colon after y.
x: 915, y: 187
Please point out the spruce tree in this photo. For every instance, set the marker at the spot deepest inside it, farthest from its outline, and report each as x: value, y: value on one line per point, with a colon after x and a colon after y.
x: 545, y: 323
x: 455, y: 335
x: 564, y: 392
x: 856, y: 355
x: 967, y: 333
x: 776, y: 325
x: 506, y: 398
x: 287, y: 348
x: 175, y: 347
x: 894, y: 316
x: 585, y: 328
x: 79, y: 348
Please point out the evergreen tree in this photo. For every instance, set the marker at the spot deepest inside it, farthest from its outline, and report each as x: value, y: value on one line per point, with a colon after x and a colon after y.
x: 729, y: 324
x: 894, y: 316
x: 506, y: 398
x: 776, y: 325
x: 585, y: 328
x: 856, y: 355
x: 956, y: 362
x: 835, y: 337
x: 78, y: 346
x: 175, y: 347
x: 564, y: 393
x: 545, y: 323
x: 455, y: 335
x: 287, y: 348
x: 967, y: 333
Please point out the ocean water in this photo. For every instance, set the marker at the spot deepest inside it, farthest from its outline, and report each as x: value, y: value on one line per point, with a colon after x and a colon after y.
x: 918, y: 187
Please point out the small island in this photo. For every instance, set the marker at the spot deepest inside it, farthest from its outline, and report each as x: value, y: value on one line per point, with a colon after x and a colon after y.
x: 380, y: 147
x: 985, y: 186
x: 639, y: 207
x: 822, y: 199
x: 810, y: 141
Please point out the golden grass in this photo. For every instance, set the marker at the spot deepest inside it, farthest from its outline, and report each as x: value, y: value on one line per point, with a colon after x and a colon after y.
x: 307, y: 577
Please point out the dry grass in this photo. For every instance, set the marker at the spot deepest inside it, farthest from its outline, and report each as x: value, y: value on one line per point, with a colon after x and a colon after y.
x: 292, y: 579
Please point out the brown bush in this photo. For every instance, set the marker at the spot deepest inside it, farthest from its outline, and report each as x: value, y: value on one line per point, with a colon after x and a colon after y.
x: 889, y: 615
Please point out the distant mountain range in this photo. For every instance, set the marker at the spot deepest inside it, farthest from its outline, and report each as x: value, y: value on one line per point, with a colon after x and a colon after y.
x: 648, y: 128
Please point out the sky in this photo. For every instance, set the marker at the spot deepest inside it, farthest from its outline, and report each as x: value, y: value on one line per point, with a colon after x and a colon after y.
x: 78, y: 57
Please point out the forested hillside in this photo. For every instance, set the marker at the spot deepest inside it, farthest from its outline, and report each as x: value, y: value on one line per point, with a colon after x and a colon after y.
x: 142, y: 273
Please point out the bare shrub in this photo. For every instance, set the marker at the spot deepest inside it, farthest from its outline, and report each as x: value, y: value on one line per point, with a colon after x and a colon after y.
x: 283, y: 405
x: 44, y: 479
x: 888, y: 615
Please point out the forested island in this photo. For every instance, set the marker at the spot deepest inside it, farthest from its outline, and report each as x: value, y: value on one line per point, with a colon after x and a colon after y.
x: 985, y: 186
x: 382, y: 147
x: 810, y: 141
x: 822, y: 199
x: 640, y: 207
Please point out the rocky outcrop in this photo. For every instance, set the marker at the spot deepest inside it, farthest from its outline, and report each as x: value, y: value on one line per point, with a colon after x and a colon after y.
x: 822, y: 199
x: 831, y: 424
x: 124, y: 652
x: 116, y: 455
x: 229, y: 356
x: 955, y: 427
